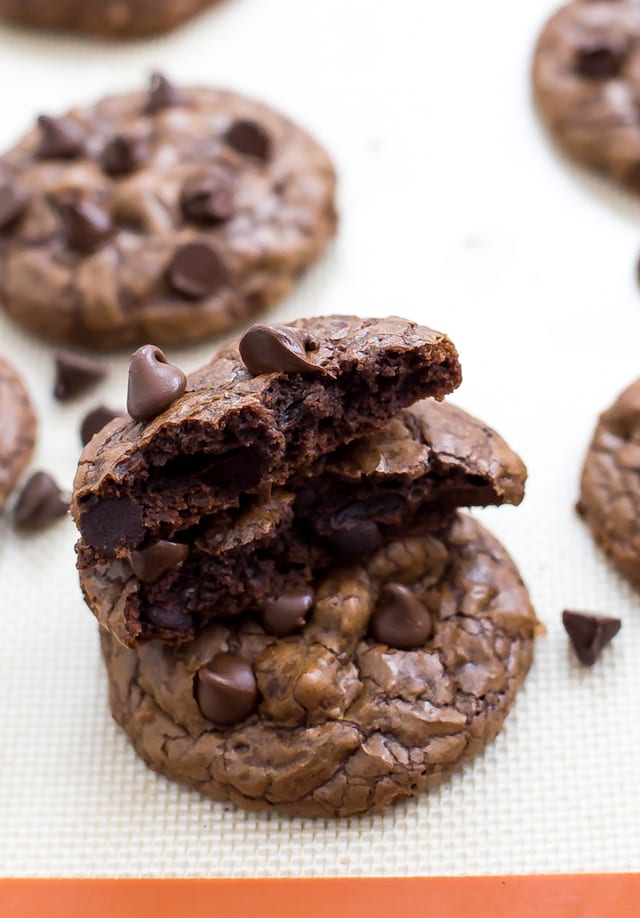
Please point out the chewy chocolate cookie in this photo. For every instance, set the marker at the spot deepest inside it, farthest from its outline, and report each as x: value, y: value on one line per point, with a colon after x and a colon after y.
x: 169, y: 215
x: 610, y: 487
x: 587, y: 84
x: 17, y: 429
x: 405, y: 669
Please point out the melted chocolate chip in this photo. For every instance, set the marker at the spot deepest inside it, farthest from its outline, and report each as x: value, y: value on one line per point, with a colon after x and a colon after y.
x: 399, y: 619
x: 196, y: 271
x: 162, y: 95
x: 250, y: 139
x: 226, y: 689
x: 169, y: 618
x: 12, y: 205
x: 600, y: 60
x: 154, y: 383
x: 275, y: 349
x: 589, y: 633
x: 95, y: 420
x: 123, y: 155
x: 356, y: 539
x: 40, y: 502
x: 117, y: 522
x: 75, y: 374
x: 287, y: 613
x: 207, y: 199
x: 151, y: 562
x: 86, y: 225
x: 60, y: 138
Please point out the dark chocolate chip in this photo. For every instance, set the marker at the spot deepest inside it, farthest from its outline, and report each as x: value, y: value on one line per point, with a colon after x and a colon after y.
x: 275, y: 349
x: 151, y: 562
x: 196, y: 271
x: 399, y: 619
x: 162, y: 95
x: 599, y: 60
x: 154, y: 383
x: 12, y: 205
x: 226, y: 689
x: 40, y: 502
x: 288, y: 612
x: 86, y: 225
x: 123, y: 155
x: 60, y: 138
x: 117, y: 522
x: 75, y: 374
x: 250, y: 139
x: 589, y: 633
x: 358, y: 538
x: 207, y: 199
x: 171, y: 618
x: 94, y: 422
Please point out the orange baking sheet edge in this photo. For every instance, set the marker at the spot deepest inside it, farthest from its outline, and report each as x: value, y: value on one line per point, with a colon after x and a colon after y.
x: 581, y: 896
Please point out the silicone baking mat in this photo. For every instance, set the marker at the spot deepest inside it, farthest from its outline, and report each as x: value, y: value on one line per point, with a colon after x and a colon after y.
x: 457, y: 213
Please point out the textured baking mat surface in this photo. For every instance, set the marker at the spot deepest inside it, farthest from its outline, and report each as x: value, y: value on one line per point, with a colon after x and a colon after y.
x: 457, y: 213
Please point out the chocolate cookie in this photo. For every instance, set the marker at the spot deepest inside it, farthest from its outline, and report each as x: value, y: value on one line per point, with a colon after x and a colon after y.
x: 17, y: 429
x: 610, y: 487
x: 109, y: 18
x: 170, y: 216
x: 264, y: 556
x: 587, y: 82
x: 337, y: 720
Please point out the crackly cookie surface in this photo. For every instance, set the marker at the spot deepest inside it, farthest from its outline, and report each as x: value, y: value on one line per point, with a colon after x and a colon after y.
x: 331, y: 721
x: 587, y: 84
x: 610, y: 485
x: 17, y: 429
x: 167, y: 216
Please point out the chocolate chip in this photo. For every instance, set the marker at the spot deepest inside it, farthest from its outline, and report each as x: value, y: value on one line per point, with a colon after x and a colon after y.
x: 288, y: 612
x: 151, y: 562
x: 86, y: 225
x: 275, y: 349
x: 12, y: 205
x: 117, y: 522
x: 356, y: 540
x: 207, y: 199
x: 75, y: 374
x: 599, y: 60
x: 94, y: 422
x: 226, y: 689
x: 196, y: 271
x: 589, y: 633
x: 60, y: 138
x: 123, y: 155
x: 171, y: 618
x: 399, y: 619
x: 162, y: 95
x: 154, y: 383
x: 40, y: 502
x: 250, y: 139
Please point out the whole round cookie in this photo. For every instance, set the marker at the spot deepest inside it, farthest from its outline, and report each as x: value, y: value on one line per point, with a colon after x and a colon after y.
x: 610, y: 486
x: 110, y: 18
x: 405, y: 670
x: 169, y: 215
x: 17, y: 429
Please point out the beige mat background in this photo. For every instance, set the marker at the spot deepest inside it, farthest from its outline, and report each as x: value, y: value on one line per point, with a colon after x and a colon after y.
x: 457, y: 213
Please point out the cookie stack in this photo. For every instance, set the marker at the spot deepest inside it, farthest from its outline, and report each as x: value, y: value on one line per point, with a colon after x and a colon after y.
x: 293, y: 612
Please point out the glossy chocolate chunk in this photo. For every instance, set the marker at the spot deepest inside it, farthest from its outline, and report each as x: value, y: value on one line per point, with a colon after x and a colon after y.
x: 600, y: 60
x: 151, y: 562
x: 95, y: 420
x: 162, y: 95
x: 12, y: 205
x: 86, y: 225
x: 113, y: 523
x: 226, y: 689
x: 250, y: 139
x: 589, y: 633
x: 276, y: 349
x: 196, y: 271
x: 154, y: 383
x: 399, y: 619
x: 287, y: 613
x: 75, y: 374
x: 123, y: 155
x: 170, y: 618
x: 40, y: 502
x: 207, y: 199
x: 60, y: 138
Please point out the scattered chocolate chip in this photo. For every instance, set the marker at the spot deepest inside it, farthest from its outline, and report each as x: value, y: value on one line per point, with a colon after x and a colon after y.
x: 60, y: 138
x: 75, y: 374
x: 589, y: 633
x: 399, y: 619
x: 94, y: 422
x: 171, y: 618
x: 226, y: 689
x: 162, y: 95
x: 86, y: 225
x: 123, y: 155
x: 196, y: 271
x: 154, y: 383
x: 151, y: 562
x: 12, y: 205
x: 207, y: 199
x: 287, y: 613
x: 117, y: 522
x: 355, y: 539
x: 599, y: 60
x: 40, y: 502
x: 250, y: 139
x: 275, y: 349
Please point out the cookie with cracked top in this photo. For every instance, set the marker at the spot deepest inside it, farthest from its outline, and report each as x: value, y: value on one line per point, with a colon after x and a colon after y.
x: 335, y: 720
x: 586, y: 82
x: 170, y: 215
x: 18, y: 428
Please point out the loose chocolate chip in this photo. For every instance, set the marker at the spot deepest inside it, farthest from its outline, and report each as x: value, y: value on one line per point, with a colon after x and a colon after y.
x: 154, y: 383
x: 589, y: 633
x: 162, y: 95
x: 75, y: 374
x: 600, y: 61
x: 356, y: 539
x: 151, y: 562
x: 275, y: 349
x: 171, y: 618
x: 117, y: 522
x: 12, y: 205
x: 250, y: 139
x: 288, y: 612
x: 226, y: 689
x: 40, y: 502
x: 196, y: 271
x: 399, y: 619
x: 123, y: 155
x: 86, y: 225
x: 94, y: 422
x: 60, y: 138
x: 207, y: 199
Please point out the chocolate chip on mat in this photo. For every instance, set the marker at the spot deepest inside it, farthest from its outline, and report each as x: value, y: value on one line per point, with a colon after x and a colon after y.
x: 287, y: 613
x: 12, y: 205
x: 60, y: 138
x: 151, y: 562
x: 162, y: 95
x: 399, y: 619
x: 40, y: 502
x: 75, y: 374
x: 154, y: 383
x: 249, y: 138
x: 123, y: 155
x: 95, y: 420
x: 276, y: 349
x: 226, y: 689
x: 196, y: 271
x: 207, y: 199
x: 589, y: 633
